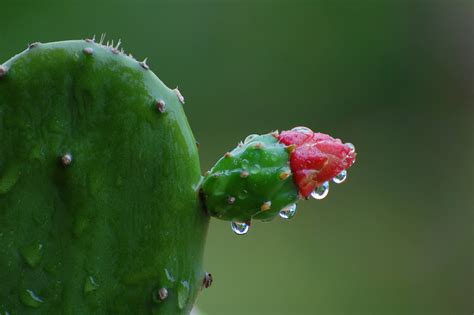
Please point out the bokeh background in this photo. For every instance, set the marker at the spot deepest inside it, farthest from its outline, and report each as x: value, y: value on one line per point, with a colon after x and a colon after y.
x: 393, y: 77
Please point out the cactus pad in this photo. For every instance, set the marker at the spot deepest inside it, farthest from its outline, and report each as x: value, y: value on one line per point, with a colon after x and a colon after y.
x: 99, y: 174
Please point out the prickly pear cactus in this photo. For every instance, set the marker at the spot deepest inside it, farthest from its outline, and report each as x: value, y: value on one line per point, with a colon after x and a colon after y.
x: 102, y: 206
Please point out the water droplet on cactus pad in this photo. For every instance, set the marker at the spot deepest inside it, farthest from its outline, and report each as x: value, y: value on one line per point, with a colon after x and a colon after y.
x: 321, y: 191
x: 90, y: 285
x: 29, y: 298
x: 240, y: 228
x: 304, y: 130
x: 250, y: 138
x: 288, y: 212
x: 183, y: 294
x: 32, y: 254
x: 341, y: 177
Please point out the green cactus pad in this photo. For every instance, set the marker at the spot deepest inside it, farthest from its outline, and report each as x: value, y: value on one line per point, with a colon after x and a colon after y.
x: 99, y: 175
x: 253, y: 181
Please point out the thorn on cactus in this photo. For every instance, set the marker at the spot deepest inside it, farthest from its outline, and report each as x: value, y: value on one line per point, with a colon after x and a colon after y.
x: 180, y: 96
x: 244, y: 174
x: 207, y: 281
x: 144, y: 65
x: 33, y: 45
x: 284, y: 175
x: 228, y: 155
x: 266, y: 206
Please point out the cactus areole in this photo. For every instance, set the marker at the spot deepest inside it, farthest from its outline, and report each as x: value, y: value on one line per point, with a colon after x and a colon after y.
x: 103, y: 209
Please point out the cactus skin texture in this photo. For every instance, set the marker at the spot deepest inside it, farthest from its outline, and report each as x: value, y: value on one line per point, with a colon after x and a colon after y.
x: 251, y: 182
x: 267, y: 173
x: 99, y: 204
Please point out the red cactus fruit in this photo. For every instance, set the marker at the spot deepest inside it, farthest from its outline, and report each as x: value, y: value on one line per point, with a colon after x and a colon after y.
x: 316, y: 157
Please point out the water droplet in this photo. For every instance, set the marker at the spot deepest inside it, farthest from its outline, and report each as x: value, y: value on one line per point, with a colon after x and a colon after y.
x: 29, y: 298
x: 303, y: 130
x: 321, y: 191
x: 250, y: 138
x: 288, y: 212
x: 32, y: 254
x: 340, y: 178
x: 90, y: 285
x: 169, y: 276
x: 240, y: 228
x: 183, y: 294
x: 351, y: 146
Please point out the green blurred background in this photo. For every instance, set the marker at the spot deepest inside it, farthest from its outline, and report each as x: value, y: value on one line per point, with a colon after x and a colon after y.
x: 393, y: 77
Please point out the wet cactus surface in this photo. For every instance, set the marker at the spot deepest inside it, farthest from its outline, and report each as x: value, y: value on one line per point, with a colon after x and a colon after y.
x: 103, y: 209
x: 98, y: 186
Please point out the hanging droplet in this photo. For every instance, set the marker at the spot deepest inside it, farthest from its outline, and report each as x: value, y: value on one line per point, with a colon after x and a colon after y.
x: 351, y: 146
x: 304, y: 130
x: 288, y: 212
x: 240, y: 228
x: 321, y: 191
x: 250, y: 138
x: 341, y: 177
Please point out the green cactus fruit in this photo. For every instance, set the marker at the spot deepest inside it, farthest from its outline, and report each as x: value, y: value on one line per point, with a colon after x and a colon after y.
x: 251, y: 182
x: 266, y: 175
x: 99, y: 199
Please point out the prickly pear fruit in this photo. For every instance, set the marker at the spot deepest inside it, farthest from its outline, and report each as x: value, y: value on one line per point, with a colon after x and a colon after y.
x: 253, y: 181
x: 267, y: 174
x: 316, y: 157
x: 99, y: 173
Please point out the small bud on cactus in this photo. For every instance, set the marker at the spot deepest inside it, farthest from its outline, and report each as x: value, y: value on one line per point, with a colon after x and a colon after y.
x: 269, y: 173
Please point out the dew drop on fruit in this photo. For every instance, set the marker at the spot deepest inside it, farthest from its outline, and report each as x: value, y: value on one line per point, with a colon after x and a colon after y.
x: 303, y: 130
x: 288, y: 212
x: 351, y: 146
x: 250, y: 138
x: 240, y: 228
x: 321, y: 191
x: 341, y: 177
